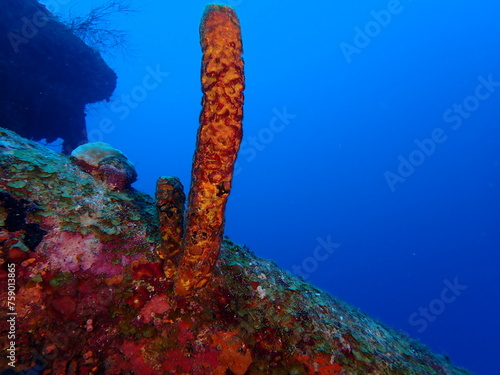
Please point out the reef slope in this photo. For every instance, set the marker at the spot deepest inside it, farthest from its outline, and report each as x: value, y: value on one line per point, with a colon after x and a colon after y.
x: 91, y: 296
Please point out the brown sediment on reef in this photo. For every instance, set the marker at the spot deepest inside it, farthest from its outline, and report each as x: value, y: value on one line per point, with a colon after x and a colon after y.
x: 218, y: 141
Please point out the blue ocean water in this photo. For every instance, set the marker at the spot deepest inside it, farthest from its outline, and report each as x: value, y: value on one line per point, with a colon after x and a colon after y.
x: 370, y: 162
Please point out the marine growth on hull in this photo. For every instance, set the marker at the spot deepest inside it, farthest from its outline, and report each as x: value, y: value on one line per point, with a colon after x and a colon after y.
x: 99, y: 278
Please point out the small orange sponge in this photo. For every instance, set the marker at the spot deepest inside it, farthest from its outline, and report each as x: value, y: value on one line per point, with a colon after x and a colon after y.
x: 170, y: 201
x: 218, y: 141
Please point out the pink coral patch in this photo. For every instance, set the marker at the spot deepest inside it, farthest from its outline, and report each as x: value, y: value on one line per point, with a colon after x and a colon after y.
x: 157, y: 305
x: 71, y: 251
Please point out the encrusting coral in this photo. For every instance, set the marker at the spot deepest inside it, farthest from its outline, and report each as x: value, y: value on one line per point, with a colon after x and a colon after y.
x: 218, y: 141
x: 105, y: 163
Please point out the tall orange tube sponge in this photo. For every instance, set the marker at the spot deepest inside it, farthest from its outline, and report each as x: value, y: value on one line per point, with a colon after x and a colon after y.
x: 218, y: 141
x: 170, y: 201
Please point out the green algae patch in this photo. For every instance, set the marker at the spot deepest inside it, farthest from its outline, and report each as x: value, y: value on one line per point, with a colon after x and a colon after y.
x: 44, y: 174
x: 109, y: 230
x: 19, y: 245
x: 16, y: 184
x: 61, y: 279
x: 134, y: 216
x: 37, y: 278
x: 127, y: 328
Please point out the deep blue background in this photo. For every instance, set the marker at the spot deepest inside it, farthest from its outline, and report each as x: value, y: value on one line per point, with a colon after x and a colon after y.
x: 321, y: 173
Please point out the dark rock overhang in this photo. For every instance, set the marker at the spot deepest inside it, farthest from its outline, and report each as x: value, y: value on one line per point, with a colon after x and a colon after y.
x: 47, y: 75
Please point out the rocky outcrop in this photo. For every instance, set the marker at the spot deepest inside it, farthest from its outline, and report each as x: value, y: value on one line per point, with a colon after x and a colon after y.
x: 47, y: 75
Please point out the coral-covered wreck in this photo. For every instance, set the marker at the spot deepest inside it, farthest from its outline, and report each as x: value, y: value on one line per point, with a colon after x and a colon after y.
x: 91, y: 296
x: 98, y: 278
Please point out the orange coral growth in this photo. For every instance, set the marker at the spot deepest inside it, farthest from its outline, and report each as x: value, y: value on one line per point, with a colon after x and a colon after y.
x: 218, y: 141
x: 234, y: 355
x: 321, y: 364
x: 170, y: 200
